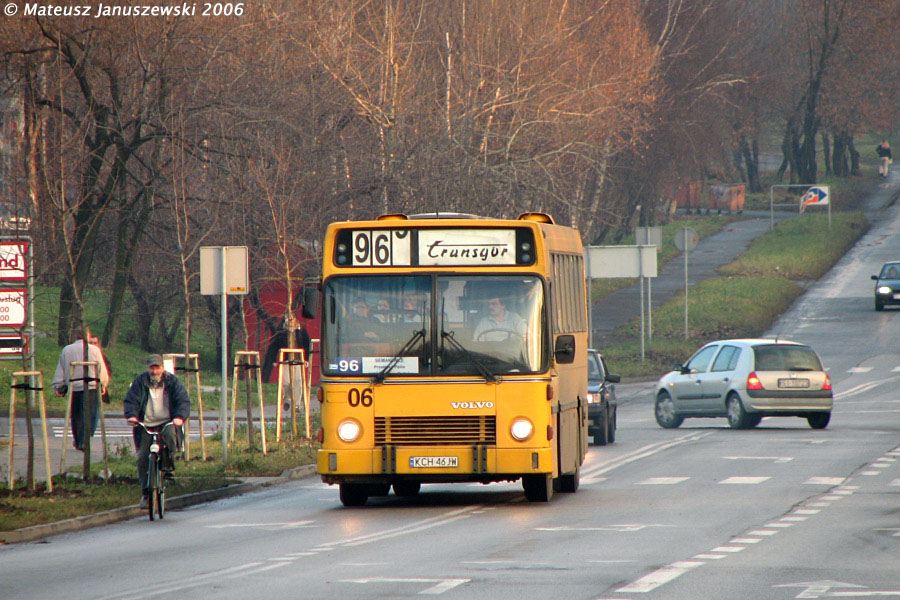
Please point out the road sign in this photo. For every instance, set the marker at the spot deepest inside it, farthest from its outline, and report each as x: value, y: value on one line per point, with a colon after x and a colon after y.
x: 12, y: 307
x: 12, y: 345
x: 648, y: 236
x: 237, y: 278
x: 13, y: 259
x: 686, y: 239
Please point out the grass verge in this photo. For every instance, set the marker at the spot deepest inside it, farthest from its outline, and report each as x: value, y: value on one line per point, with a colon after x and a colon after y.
x: 753, y: 291
x: 73, y: 497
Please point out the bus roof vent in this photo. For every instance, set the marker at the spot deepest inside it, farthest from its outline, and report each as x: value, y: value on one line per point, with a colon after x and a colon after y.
x: 537, y: 217
x: 445, y: 215
x: 392, y: 217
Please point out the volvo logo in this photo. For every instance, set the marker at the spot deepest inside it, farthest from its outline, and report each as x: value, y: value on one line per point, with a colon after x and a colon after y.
x: 458, y: 405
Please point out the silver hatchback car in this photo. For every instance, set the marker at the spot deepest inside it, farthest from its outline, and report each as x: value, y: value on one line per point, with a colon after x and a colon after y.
x: 746, y: 380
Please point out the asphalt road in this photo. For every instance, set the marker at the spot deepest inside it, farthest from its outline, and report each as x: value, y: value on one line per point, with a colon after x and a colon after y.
x: 780, y: 511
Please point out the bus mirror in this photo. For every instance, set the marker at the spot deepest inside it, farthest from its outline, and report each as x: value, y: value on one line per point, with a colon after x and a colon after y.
x: 310, y: 303
x: 565, y: 349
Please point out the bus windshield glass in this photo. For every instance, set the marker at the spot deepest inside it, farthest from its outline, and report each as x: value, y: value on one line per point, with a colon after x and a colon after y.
x: 433, y: 325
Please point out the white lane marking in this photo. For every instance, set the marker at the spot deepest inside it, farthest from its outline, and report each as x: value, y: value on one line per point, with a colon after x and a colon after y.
x: 441, y: 585
x: 705, y: 556
x: 275, y: 526
x: 825, y: 481
x: 195, y: 581
x: 744, y: 480
x: 624, y: 528
x: 794, y: 519
x: 745, y: 540
x: 859, y: 370
x: 765, y: 532
x: 444, y: 519
x: 779, y: 525
x: 730, y: 549
x: 590, y: 480
x: 663, y: 480
x: 659, y: 577
x: 895, y: 482
x: 776, y: 459
x: 640, y: 453
x: 895, y: 370
x: 870, y: 473
x: 880, y: 465
x: 807, y: 511
x: 896, y: 530
x: 887, y: 459
x: 864, y: 387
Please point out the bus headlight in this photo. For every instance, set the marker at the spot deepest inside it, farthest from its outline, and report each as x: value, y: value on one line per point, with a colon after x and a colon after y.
x: 521, y: 429
x: 349, y: 431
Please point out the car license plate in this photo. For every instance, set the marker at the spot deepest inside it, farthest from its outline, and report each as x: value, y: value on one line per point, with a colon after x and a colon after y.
x: 417, y: 462
x: 793, y: 383
x: 896, y: 296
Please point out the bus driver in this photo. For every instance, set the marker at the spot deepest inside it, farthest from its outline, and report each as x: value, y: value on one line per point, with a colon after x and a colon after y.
x: 499, y: 325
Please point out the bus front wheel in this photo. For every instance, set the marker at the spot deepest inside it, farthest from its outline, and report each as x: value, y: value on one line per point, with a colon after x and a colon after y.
x: 538, y: 488
x: 354, y: 494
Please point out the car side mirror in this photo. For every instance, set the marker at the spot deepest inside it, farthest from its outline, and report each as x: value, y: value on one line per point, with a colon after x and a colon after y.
x: 310, y: 303
x: 564, y: 350
x: 681, y: 368
x: 874, y: 277
x: 613, y: 378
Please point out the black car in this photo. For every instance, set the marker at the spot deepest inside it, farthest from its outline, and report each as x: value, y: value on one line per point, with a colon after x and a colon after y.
x: 887, y: 285
x: 601, y: 400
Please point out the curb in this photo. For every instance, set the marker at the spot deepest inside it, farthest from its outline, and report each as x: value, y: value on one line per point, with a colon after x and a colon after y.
x: 37, y: 532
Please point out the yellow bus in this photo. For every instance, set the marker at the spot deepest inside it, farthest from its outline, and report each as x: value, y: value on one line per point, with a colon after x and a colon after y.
x: 454, y: 349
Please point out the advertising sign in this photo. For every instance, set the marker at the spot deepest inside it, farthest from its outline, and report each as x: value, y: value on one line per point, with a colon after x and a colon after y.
x: 815, y: 196
x: 13, y: 258
x: 12, y: 308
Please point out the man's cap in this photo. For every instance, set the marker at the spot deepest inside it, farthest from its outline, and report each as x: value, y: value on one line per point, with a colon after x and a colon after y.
x: 154, y: 359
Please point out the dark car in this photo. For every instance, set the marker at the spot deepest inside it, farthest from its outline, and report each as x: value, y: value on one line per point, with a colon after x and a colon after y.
x: 887, y: 285
x: 601, y: 400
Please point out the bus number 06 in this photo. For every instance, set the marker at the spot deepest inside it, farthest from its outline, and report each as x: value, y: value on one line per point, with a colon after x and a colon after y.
x: 356, y: 397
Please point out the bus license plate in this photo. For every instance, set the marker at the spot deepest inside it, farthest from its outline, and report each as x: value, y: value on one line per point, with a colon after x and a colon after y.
x: 433, y: 461
x: 793, y: 383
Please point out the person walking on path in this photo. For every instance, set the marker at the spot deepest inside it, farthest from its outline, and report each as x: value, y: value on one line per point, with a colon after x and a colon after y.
x: 75, y: 352
x: 885, y: 158
x: 155, y: 398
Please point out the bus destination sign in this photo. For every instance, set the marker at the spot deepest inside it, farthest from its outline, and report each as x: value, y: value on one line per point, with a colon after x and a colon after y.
x: 432, y: 247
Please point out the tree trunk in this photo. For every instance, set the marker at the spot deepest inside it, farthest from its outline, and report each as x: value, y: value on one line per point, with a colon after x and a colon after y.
x: 826, y: 147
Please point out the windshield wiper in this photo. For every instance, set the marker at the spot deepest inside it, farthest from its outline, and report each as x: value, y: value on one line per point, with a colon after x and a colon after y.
x: 468, y: 354
x: 417, y: 335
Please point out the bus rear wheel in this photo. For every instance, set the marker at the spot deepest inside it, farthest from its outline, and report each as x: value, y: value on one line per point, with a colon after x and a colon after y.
x: 538, y: 488
x: 354, y: 494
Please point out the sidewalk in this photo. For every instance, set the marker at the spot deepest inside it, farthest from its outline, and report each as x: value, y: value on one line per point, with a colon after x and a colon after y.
x: 622, y: 306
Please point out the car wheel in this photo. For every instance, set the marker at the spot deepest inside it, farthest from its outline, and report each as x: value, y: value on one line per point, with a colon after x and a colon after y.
x: 611, y: 430
x: 754, y: 420
x: 602, y: 435
x: 665, y: 413
x: 737, y: 416
x: 819, y: 420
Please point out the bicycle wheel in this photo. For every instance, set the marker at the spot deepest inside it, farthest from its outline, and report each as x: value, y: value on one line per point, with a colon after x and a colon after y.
x: 161, y: 496
x: 153, y: 488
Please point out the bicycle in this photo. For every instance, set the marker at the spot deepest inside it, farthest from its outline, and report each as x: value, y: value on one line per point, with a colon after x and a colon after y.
x: 156, y: 478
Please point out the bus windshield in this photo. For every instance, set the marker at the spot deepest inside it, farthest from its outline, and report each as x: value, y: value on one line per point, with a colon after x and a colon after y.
x: 433, y: 325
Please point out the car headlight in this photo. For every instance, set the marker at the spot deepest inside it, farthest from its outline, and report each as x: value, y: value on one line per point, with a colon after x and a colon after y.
x: 521, y: 429
x: 883, y: 289
x: 590, y: 398
x: 349, y: 431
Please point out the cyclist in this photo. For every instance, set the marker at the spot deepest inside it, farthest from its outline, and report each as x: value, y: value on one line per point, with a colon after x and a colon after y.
x: 155, y: 397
